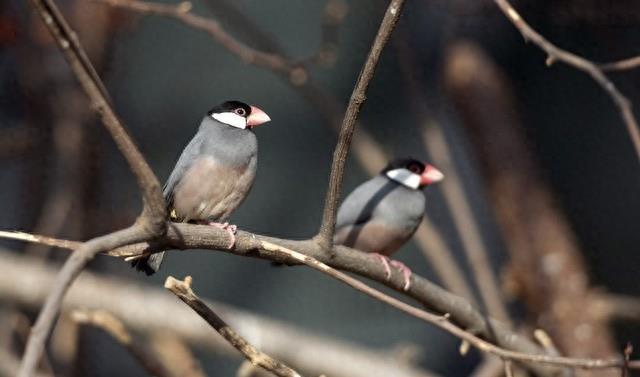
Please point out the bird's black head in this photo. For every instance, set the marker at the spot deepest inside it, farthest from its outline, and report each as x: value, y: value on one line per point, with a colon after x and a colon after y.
x: 236, y: 107
x: 411, y: 172
x: 238, y: 114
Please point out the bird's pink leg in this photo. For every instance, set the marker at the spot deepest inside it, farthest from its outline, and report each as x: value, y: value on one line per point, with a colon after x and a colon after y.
x: 385, y: 263
x: 230, y: 228
x: 406, y: 272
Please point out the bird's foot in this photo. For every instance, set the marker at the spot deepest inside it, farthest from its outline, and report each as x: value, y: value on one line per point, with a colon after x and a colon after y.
x: 406, y: 272
x: 385, y: 263
x: 231, y: 230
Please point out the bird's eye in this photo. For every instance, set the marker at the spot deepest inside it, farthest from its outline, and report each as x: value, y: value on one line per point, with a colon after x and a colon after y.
x: 414, y: 168
x: 240, y: 111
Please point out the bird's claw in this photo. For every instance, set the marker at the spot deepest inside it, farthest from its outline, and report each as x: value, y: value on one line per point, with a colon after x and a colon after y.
x: 406, y: 272
x: 386, y: 262
x: 231, y: 230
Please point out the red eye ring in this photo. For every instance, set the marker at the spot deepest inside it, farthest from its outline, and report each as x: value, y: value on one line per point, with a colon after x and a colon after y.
x: 240, y: 111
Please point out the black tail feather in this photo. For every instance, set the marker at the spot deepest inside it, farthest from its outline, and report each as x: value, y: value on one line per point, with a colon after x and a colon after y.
x: 150, y: 264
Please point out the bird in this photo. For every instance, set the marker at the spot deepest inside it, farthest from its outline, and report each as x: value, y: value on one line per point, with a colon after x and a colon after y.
x: 214, y: 172
x: 383, y: 213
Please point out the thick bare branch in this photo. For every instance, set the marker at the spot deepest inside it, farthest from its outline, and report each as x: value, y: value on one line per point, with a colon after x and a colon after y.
x: 183, y: 290
x: 187, y: 236
x: 557, y: 54
x: 358, y: 96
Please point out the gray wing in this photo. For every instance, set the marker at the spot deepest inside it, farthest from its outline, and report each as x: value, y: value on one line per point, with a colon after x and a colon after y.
x: 187, y: 158
x: 360, y: 205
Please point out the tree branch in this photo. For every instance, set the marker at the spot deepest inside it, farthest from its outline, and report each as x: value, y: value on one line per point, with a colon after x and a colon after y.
x: 621, y: 65
x: 183, y: 290
x: 557, y: 54
x: 149, y: 224
x: 144, y: 309
x: 113, y: 326
x: 358, y: 96
x: 369, y: 153
x: 187, y: 236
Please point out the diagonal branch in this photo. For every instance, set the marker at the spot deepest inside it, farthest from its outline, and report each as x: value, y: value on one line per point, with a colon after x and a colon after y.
x: 149, y: 224
x: 596, y: 72
x: 327, y: 228
x: 183, y: 290
x: 109, y: 323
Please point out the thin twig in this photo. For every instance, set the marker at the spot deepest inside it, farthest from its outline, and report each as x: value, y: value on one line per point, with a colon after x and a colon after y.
x: 149, y: 224
x: 248, y: 244
x: 183, y: 290
x: 358, y: 96
x: 114, y: 327
x: 621, y: 65
x: 557, y: 54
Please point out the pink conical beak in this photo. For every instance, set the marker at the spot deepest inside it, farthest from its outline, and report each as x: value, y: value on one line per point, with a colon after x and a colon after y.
x: 430, y: 175
x: 257, y: 117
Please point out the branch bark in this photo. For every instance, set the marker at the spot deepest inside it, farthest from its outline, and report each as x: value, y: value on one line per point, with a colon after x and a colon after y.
x: 547, y: 267
x: 144, y: 309
x: 149, y: 224
x: 113, y: 326
x: 183, y: 290
x: 187, y: 236
x: 358, y: 96
x: 592, y: 69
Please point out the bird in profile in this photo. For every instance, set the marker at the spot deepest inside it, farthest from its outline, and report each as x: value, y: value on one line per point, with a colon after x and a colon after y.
x: 382, y: 214
x: 214, y: 172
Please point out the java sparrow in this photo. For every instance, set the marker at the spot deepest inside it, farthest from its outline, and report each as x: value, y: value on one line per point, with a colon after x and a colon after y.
x: 381, y: 214
x: 214, y: 172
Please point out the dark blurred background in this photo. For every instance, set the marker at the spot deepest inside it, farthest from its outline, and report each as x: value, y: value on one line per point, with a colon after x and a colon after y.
x: 62, y: 175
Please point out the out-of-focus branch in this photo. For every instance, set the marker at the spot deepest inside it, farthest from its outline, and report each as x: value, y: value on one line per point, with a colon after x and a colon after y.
x: 545, y: 263
x: 611, y: 306
x: 176, y: 355
x: 113, y: 326
x: 182, y: 12
x: 358, y: 96
x: 473, y: 244
x: 456, y: 200
x: 25, y: 283
x: 557, y: 54
x: 621, y: 65
x: 183, y: 290
x: 335, y: 12
x: 16, y: 141
x: 149, y: 224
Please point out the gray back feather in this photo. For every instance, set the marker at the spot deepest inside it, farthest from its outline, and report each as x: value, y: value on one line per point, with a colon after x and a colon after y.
x: 382, y: 201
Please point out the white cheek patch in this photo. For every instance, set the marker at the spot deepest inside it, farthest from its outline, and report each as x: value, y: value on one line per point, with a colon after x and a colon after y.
x: 405, y: 177
x: 231, y: 119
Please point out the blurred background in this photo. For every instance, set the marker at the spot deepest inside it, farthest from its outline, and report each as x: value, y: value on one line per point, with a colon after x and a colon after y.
x: 540, y: 203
